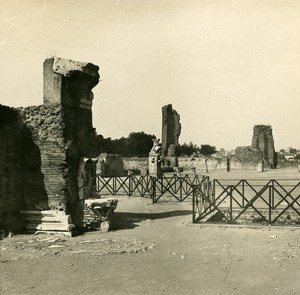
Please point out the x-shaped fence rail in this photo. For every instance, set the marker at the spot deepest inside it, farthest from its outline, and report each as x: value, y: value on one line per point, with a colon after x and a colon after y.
x: 179, y: 187
x: 232, y: 200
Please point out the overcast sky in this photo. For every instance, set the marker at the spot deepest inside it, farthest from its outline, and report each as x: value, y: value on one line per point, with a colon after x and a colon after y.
x: 225, y: 66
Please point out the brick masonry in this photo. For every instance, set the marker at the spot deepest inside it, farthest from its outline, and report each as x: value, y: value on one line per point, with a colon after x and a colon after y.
x: 263, y: 140
x: 41, y: 146
x: 171, y: 129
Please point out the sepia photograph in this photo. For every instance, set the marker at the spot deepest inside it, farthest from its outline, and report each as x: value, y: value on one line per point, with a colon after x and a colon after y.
x: 149, y: 147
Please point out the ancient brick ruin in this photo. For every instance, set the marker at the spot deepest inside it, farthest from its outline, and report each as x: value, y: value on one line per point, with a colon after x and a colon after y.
x: 263, y: 140
x: 262, y: 151
x: 171, y: 129
x: 41, y: 146
x: 248, y: 154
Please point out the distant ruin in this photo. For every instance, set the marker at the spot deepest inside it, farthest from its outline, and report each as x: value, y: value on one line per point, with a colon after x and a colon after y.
x: 171, y: 129
x: 263, y: 140
x: 262, y: 149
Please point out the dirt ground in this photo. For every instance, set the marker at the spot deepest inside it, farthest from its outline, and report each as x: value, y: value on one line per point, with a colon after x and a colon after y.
x: 154, y: 249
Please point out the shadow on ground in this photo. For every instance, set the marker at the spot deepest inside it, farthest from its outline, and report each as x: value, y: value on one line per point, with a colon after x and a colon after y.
x: 128, y: 220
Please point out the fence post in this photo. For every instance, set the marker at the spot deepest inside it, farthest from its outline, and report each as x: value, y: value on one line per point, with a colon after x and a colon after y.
x: 129, y: 185
x: 193, y: 217
x: 162, y: 185
x: 243, y: 194
x: 270, y: 203
x: 214, y: 191
x: 230, y: 202
x: 141, y: 182
x: 273, y: 189
x: 180, y: 187
x: 114, y: 185
x: 97, y: 183
x: 154, y: 189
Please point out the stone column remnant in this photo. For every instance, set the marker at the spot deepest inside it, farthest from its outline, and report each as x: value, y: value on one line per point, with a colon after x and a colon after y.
x: 263, y: 140
x: 171, y: 129
x: 154, y: 159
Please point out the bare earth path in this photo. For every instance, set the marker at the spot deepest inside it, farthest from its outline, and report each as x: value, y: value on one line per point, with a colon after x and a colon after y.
x: 154, y: 250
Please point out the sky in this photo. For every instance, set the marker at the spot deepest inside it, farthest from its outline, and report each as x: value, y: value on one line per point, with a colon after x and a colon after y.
x: 224, y: 65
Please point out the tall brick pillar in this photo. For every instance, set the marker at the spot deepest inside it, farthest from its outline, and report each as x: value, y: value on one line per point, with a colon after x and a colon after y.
x: 69, y: 84
x: 171, y: 129
x: 263, y: 140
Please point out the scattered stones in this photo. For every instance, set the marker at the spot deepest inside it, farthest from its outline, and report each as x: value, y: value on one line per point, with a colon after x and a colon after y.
x: 56, y: 246
x: 88, y: 241
x: 53, y: 240
x: 287, y: 252
x: 20, y: 247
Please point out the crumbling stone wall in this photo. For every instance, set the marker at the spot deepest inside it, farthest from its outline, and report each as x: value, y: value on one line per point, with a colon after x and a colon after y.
x: 110, y: 165
x: 171, y: 129
x: 200, y: 163
x: 41, y: 146
x: 136, y: 164
x: 263, y: 139
x: 46, y: 126
x: 248, y: 154
x: 204, y: 164
x: 21, y: 179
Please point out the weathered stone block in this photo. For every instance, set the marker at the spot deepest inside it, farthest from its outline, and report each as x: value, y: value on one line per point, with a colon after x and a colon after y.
x: 60, y: 73
x: 98, y: 213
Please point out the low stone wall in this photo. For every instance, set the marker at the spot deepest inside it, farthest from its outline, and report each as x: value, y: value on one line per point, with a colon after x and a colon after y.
x: 189, y: 163
x: 288, y: 165
x: 138, y: 164
x: 110, y: 165
x: 214, y: 164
